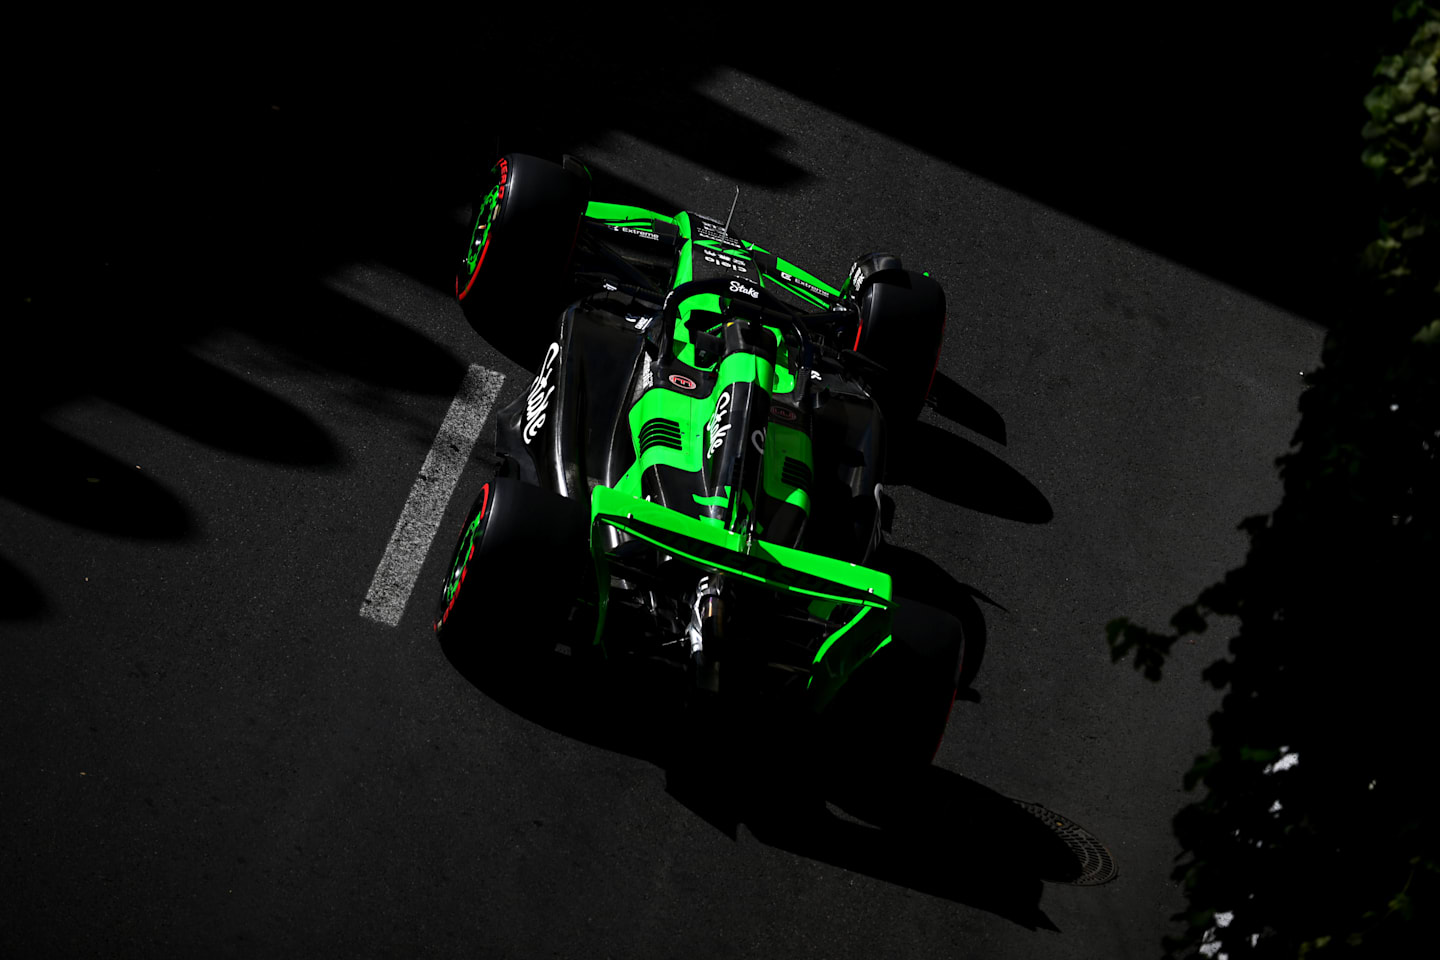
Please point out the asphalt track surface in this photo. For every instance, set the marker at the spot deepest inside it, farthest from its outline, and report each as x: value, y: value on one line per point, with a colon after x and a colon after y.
x: 222, y: 406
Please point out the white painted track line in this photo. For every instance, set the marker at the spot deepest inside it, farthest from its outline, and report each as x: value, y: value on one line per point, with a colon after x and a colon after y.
x: 395, y: 577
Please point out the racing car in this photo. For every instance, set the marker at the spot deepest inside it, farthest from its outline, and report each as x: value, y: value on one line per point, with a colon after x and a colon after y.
x: 694, y: 474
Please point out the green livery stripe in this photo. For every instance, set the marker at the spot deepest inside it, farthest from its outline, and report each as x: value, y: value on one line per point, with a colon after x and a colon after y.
x: 800, y: 292
x: 787, y: 462
x: 717, y: 246
x: 785, y: 266
x: 663, y: 421
x: 620, y: 211
x: 684, y: 269
x: 781, y: 568
x: 746, y: 368
x: 830, y: 640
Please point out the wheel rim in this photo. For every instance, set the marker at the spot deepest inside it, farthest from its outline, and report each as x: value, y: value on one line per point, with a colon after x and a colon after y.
x: 480, y: 233
x: 460, y: 560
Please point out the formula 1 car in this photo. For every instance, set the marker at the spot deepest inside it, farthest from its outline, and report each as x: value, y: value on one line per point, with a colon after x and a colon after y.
x: 695, y: 472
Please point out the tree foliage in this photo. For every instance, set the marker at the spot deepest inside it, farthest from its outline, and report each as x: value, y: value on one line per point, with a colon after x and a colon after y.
x: 1310, y: 837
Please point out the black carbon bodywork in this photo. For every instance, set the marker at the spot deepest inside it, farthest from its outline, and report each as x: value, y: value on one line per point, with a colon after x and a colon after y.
x: 568, y: 432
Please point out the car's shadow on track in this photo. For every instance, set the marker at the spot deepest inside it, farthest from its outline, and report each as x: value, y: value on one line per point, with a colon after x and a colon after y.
x: 954, y: 402
x: 936, y: 832
x: 958, y: 471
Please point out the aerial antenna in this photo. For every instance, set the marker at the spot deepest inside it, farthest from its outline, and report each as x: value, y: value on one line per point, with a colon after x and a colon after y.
x: 732, y: 208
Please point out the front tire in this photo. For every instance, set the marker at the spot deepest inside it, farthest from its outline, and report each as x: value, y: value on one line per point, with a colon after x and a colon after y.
x: 902, y: 327
x: 520, y: 243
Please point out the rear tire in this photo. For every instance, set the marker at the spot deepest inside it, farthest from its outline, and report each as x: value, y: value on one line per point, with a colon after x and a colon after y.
x: 891, y: 715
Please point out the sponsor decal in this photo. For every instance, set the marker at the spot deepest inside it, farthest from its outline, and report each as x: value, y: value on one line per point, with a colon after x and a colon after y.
x: 808, y: 286
x: 815, y: 375
x: 722, y: 260
x: 782, y: 413
x: 758, y: 439
x: 684, y: 383
x: 647, y: 378
x: 714, y: 230
x: 539, y: 398
x: 641, y: 323
x: 715, y: 431
x: 639, y: 233
x: 737, y: 287
x: 855, y: 277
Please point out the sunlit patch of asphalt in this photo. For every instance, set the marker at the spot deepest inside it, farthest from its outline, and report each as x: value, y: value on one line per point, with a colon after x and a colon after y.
x: 419, y: 519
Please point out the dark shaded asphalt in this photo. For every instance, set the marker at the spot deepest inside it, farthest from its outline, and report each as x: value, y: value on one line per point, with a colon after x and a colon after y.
x: 221, y: 399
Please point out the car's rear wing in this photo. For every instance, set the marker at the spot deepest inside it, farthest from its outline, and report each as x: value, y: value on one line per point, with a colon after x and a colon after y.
x: 855, y: 601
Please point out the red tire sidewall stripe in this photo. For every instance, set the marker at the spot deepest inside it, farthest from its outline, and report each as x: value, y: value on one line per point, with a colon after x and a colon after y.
x: 494, y: 215
x: 464, y: 569
x: 478, y: 264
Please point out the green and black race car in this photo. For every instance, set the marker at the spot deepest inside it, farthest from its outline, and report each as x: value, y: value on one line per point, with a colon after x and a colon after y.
x: 694, y: 475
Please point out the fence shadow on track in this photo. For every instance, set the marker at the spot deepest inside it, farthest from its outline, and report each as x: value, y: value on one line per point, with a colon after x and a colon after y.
x: 73, y: 482
x: 1134, y: 120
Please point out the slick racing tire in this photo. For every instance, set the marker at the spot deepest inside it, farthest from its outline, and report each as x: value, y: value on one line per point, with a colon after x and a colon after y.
x: 902, y: 326
x: 890, y: 716
x: 519, y: 244
x: 516, y: 575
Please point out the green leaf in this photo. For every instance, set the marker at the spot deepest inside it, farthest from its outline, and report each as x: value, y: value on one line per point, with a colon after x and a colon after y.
x: 1389, y: 67
x: 1380, y: 101
x: 1259, y: 754
x: 1413, y: 114
x: 1415, y: 181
